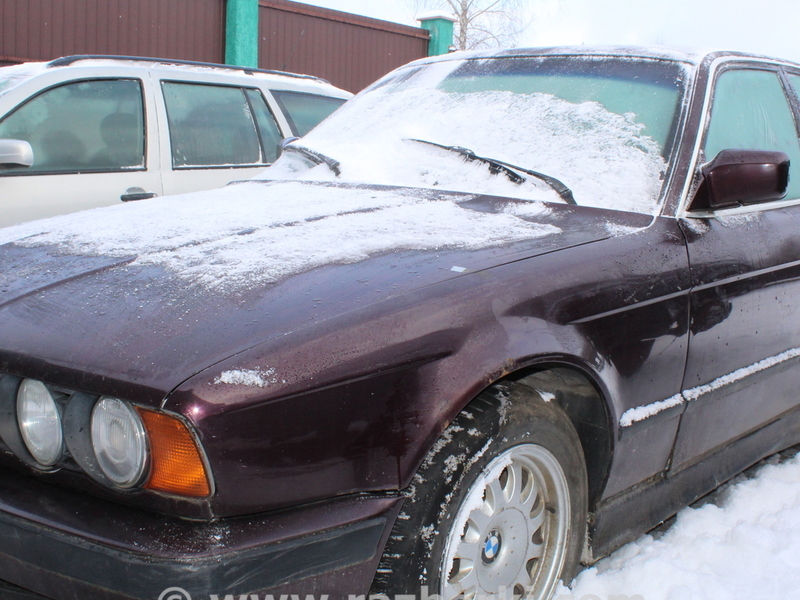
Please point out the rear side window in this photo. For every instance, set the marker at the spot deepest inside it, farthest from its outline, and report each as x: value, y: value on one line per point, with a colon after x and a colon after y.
x: 751, y: 112
x: 267, y: 127
x: 305, y: 111
x: 95, y: 125
x: 211, y: 125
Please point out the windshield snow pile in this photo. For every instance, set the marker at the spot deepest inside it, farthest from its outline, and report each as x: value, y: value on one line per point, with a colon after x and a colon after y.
x: 605, y: 158
x: 249, y: 234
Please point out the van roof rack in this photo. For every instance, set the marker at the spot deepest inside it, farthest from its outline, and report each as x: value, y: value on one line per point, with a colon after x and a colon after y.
x: 68, y: 60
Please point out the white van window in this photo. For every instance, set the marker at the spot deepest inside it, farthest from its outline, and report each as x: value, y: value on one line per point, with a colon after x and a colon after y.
x: 267, y: 127
x: 210, y: 125
x: 95, y: 125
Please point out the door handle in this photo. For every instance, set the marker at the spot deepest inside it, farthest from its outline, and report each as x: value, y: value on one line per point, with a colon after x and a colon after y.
x: 136, y: 193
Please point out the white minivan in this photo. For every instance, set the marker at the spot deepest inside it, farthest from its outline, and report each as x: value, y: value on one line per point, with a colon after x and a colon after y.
x: 86, y: 131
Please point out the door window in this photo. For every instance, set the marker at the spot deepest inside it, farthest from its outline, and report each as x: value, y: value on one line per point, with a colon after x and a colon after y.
x: 211, y: 125
x: 751, y: 112
x: 93, y: 125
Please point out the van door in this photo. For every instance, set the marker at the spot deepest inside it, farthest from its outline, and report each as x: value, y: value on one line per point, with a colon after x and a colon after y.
x: 89, y: 140
x: 217, y: 133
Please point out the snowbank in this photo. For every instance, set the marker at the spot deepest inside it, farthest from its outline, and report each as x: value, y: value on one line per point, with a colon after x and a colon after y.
x: 743, y: 546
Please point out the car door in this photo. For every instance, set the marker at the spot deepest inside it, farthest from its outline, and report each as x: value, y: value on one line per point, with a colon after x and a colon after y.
x: 90, y: 144
x: 742, y: 370
x: 216, y: 133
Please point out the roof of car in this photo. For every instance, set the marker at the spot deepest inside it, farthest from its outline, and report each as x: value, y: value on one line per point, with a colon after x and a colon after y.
x: 169, y: 62
x: 685, y: 55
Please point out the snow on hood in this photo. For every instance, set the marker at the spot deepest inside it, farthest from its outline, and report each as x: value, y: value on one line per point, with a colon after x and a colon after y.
x: 249, y: 234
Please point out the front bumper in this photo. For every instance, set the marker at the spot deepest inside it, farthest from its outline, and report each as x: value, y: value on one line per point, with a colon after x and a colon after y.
x: 65, y: 546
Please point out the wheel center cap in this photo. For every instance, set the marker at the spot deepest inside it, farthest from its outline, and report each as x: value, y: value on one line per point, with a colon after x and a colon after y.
x: 491, y: 547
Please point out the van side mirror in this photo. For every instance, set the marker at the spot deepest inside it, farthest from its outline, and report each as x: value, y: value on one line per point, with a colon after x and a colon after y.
x: 742, y: 177
x: 15, y: 154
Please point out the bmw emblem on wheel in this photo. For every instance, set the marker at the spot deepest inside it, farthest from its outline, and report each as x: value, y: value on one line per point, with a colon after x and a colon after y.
x: 491, y: 547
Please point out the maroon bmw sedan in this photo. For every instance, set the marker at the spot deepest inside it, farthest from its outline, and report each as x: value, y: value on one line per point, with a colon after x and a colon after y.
x: 498, y: 315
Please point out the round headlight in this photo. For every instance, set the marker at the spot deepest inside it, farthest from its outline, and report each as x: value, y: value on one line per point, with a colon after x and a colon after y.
x: 119, y: 441
x: 39, y: 422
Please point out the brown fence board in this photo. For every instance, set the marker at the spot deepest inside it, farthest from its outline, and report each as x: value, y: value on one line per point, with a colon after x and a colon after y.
x: 349, y: 50
x: 47, y: 29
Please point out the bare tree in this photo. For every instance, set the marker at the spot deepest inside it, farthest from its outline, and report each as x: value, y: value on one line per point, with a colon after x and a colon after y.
x: 482, y: 23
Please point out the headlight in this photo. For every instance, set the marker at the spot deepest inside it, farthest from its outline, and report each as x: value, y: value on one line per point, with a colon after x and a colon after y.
x: 39, y: 422
x: 119, y: 441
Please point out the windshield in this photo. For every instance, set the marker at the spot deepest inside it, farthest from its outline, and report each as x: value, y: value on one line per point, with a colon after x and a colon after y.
x: 603, y: 126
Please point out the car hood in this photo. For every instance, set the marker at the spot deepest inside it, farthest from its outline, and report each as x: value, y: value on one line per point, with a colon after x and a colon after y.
x: 148, y: 295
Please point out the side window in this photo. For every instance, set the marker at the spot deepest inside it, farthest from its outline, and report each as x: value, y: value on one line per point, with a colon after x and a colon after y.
x: 795, y: 81
x: 750, y: 111
x: 305, y: 111
x: 210, y: 125
x: 93, y: 125
x: 267, y: 127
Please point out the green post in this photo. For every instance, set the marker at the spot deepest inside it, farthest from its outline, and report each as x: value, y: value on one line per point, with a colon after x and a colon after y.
x: 441, y: 30
x: 241, y: 33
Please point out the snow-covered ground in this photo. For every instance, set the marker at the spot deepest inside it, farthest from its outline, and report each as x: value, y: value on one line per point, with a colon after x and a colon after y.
x: 740, y: 543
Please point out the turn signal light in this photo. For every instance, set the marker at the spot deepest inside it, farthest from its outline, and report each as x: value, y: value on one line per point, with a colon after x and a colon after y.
x: 177, y: 465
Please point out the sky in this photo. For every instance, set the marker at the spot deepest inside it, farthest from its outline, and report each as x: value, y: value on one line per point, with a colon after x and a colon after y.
x: 767, y: 27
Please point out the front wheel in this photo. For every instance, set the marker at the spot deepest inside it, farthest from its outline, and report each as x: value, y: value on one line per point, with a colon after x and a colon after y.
x: 498, y: 507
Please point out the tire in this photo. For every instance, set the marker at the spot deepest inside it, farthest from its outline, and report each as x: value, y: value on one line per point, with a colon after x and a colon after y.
x: 497, y: 508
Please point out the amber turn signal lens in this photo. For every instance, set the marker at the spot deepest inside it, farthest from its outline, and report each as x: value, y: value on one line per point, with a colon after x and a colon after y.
x: 177, y: 465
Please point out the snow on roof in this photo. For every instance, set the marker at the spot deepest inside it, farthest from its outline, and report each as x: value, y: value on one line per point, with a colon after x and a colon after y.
x: 12, y: 75
x: 18, y: 73
x: 178, y: 65
x: 692, y: 56
x: 436, y: 14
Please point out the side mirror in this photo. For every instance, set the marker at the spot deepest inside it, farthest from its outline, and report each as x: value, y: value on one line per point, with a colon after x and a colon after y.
x: 15, y: 154
x: 741, y: 177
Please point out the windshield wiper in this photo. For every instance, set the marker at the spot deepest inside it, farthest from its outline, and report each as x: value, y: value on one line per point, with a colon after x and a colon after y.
x: 509, y: 170
x: 318, y: 158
